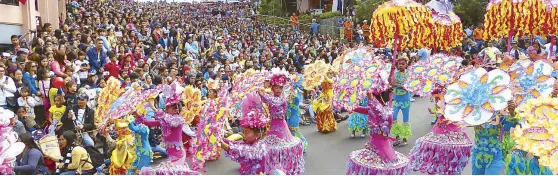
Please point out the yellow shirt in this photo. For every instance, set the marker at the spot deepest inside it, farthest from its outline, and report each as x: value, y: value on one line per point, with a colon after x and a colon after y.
x: 51, y: 94
x: 57, y: 113
x: 79, y: 158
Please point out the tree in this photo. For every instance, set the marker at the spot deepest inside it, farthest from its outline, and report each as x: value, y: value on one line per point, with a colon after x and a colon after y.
x: 471, y: 12
x: 364, y: 10
x: 270, y: 7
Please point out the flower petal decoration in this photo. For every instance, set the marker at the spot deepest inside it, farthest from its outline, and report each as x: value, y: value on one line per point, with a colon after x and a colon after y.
x: 314, y: 74
x: 437, y: 70
x: 532, y: 79
x: 477, y: 94
x: 352, y: 83
x: 538, y: 132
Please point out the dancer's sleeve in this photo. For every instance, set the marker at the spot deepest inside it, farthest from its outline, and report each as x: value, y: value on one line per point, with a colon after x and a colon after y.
x: 362, y: 109
x: 239, y: 151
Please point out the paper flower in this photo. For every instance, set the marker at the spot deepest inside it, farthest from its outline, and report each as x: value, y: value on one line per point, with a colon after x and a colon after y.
x: 531, y: 80
x: 314, y: 74
x: 426, y: 74
x: 477, y: 95
x: 538, y: 133
x: 191, y: 98
x: 353, y: 83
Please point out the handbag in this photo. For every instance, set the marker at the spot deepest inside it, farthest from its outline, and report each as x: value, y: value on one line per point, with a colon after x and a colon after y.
x: 11, y: 101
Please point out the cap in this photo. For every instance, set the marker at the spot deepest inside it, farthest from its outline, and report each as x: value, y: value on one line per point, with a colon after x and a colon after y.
x: 514, y: 42
x: 83, y: 96
x: 189, y: 58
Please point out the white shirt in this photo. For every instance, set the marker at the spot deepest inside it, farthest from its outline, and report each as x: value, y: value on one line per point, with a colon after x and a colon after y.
x: 551, y: 52
x: 7, y: 90
x: 77, y: 65
x: 80, y: 117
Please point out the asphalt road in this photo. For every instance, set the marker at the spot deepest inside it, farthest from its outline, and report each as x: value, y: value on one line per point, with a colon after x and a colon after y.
x: 327, y: 153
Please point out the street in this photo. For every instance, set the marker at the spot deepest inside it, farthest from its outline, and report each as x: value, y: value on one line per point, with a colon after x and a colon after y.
x: 327, y: 153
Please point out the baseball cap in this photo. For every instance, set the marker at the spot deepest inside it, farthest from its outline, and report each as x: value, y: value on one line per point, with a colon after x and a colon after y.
x: 83, y: 96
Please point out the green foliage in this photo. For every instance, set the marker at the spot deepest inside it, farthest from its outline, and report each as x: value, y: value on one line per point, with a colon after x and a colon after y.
x: 270, y: 7
x: 364, y: 10
x: 471, y: 12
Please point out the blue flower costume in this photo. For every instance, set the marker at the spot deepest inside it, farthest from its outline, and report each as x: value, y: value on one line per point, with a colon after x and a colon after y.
x: 487, y: 154
x: 359, y: 122
x: 294, y: 115
x: 401, y: 102
x: 144, y: 155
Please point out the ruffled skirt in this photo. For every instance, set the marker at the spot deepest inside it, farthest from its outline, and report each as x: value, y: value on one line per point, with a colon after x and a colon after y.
x: 285, y: 154
x: 368, y: 162
x: 444, y: 154
x: 296, y: 133
x: 358, y: 122
x: 401, y: 130
x: 325, y: 121
x: 168, y: 168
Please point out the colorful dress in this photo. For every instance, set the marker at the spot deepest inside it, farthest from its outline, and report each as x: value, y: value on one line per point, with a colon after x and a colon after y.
x: 286, y: 151
x: 488, y: 158
x: 251, y: 157
x: 294, y: 117
x: 209, y: 116
x: 401, y: 102
x: 171, y: 126
x: 124, y: 152
x: 378, y: 156
x: 357, y: 121
x: 516, y: 160
x: 445, y: 150
x: 325, y: 121
x: 144, y: 155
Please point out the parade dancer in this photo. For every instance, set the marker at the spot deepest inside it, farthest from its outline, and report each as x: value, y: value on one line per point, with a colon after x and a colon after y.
x: 378, y: 156
x: 171, y: 124
x: 358, y: 122
x: 286, y: 151
x: 325, y: 121
x: 401, y: 102
x: 445, y: 150
x: 210, y: 113
x: 144, y: 155
x: 124, y: 152
x: 10, y: 148
x: 251, y: 152
x: 293, y: 112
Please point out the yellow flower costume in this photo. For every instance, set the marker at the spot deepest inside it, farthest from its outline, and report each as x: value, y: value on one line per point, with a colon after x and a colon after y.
x: 325, y: 121
x: 124, y: 153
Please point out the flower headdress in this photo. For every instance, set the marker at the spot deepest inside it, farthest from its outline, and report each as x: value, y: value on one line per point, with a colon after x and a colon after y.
x: 279, y: 77
x: 253, y: 115
x: 9, y: 147
x: 212, y: 84
x: 174, y: 94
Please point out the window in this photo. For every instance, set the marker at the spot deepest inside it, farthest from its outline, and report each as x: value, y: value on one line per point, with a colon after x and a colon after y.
x: 10, y: 2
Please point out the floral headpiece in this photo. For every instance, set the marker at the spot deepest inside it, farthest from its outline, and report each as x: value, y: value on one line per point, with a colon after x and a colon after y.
x: 174, y: 94
x: 9, y: 147
x: 212, y: 84
x: 253, y: 115
x: 279, y: 77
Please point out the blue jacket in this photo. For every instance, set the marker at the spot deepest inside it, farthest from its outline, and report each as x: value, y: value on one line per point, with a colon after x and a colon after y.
x: 97, y: 60
x: 30, y: 82
x: 314, y: 28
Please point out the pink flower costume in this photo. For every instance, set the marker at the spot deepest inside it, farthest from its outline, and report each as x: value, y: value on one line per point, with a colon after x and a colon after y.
x: 171, y: 126
x: 445, y: 150
x: 285, y: 150
x: 378, y: 156
x: 250, y: 156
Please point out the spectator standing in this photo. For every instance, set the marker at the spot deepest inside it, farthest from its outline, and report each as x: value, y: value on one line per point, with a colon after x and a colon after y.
x: 97, y: 57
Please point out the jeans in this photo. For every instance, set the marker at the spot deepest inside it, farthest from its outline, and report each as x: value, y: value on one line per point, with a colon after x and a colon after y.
x: 479, y: 44
x: 4, y: 106
x: 162, y: 151
x: 69, y: 173
x: 87, y: 140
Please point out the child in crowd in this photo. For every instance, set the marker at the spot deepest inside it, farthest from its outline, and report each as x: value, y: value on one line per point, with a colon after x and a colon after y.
x: 56, y: 113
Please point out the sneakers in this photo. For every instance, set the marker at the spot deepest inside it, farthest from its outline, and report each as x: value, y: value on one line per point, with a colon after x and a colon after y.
x: 352, y: 136
x: 413, y: 100
x: 397, y: 143
x: 362, y: 135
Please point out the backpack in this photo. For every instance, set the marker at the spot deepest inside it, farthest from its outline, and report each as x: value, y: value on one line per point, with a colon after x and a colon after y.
x: 97, y: 159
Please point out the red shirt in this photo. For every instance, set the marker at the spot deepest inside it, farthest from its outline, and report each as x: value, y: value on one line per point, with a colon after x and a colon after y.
x: 113, y: 70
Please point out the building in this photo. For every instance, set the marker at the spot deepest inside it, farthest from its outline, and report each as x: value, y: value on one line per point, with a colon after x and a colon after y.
x: 21, y: 16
